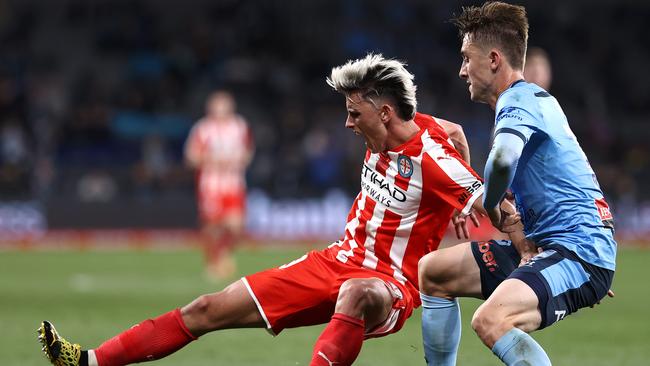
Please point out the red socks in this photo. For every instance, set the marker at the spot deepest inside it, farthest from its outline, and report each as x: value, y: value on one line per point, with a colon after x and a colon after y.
x: 340, y: 342
x: 150, y: 340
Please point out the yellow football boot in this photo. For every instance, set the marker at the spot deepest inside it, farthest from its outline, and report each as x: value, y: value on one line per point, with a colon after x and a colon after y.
x: 59, y: 351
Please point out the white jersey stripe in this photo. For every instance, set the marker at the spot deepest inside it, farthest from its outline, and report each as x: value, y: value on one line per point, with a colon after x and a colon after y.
x: 403, y: 232
x: 370, y: 260
x: 350, y: 229
x: 454, y: 169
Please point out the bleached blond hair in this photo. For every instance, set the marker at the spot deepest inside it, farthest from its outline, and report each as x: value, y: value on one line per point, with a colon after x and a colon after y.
x: 374, y: 76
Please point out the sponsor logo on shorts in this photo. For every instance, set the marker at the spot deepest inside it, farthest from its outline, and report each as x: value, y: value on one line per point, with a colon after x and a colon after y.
x: 487, y: 256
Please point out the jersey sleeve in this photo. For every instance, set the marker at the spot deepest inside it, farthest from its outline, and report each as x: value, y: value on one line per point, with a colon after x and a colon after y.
x: 517, y: 121
x: 452, y: 180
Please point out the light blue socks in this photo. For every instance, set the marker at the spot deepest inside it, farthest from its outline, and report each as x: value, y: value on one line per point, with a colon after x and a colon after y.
x: 440, y: 330
x: 516, y: 348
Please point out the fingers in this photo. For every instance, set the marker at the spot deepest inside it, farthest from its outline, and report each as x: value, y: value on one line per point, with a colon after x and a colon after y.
x: 474, y: 219
x: 456, y: 221
x: 511, y: 223
x: 465, y: 229
x: 508, y: 207
x: 460, y: 225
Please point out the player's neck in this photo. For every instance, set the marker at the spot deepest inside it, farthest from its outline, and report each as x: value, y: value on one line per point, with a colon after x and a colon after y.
x: 400, y: 132
x: 503, y: 81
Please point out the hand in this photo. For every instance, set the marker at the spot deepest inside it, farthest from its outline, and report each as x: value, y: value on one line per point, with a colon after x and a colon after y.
x: 529, y: 252
x: 505, y: 221
x: 460, y: 223
x: 505, y: 217
x: 511, y: 223
x: 610, y: 293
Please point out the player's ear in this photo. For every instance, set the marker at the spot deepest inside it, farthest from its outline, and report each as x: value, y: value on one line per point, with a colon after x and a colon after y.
x: 385, y: 113
x: 495, y: 59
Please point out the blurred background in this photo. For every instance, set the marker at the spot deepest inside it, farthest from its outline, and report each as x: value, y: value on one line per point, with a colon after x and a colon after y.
x: 97, y: 98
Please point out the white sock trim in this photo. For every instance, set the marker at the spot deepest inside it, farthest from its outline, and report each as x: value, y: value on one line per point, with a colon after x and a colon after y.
x: 92, y: 359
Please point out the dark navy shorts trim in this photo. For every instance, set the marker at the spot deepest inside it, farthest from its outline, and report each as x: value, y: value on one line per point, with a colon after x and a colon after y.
x: 562, y: 281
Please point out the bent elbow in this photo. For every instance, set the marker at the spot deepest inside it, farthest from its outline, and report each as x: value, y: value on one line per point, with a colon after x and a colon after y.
x: 503, y: 162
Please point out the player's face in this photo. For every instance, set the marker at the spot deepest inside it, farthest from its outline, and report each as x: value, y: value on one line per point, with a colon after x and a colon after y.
x: 364, y: 118
x: 221, y: 105
x: 476, y: 70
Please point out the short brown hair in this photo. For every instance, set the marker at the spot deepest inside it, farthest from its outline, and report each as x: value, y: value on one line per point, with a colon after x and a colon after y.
x: 497, y: 24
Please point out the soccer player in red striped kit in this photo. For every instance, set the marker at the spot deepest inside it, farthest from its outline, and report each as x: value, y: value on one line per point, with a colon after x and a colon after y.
x: 220, y: 147
x: 364, y: 285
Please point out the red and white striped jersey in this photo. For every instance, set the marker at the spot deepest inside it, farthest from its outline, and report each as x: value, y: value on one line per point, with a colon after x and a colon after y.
x: 407, y: 197
x: 223, y: 149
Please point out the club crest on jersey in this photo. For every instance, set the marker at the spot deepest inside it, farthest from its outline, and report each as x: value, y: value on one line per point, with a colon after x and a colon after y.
x: 404, y: 166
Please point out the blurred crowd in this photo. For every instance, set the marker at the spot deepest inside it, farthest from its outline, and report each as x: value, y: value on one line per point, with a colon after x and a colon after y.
x: 97, y: 97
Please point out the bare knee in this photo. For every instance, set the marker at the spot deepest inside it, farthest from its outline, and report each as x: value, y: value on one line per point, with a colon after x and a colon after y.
x: 360, y: 297
x: 230, y: 308
x: 490, y: 326
x: 199, y: 315
x: 431, y: 277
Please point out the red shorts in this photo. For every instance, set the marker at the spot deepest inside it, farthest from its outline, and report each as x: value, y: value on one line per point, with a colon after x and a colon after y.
x: 213, y: 208
x: 304, y: 292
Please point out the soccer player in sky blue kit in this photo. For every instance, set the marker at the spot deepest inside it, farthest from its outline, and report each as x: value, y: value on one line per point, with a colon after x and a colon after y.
x: 566, y: 260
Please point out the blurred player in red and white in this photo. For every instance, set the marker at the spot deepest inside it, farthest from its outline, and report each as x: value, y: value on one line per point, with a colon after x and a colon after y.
x: 220, y: 147
x: 364, y: 285
x: 537, y: 69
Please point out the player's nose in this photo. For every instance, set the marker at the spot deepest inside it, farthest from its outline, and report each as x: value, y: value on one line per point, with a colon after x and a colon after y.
x: 349, y: 123
x: 462, y: 73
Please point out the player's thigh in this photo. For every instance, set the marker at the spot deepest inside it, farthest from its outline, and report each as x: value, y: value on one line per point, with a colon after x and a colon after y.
x: 233, y: 222
x: 512, y: 304
x: 233, y: 307
x: 234, y: 208
x: 300, y: 293
x: 450, y: 272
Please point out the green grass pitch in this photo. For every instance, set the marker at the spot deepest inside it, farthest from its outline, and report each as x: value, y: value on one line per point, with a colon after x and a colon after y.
x: 91, y: 295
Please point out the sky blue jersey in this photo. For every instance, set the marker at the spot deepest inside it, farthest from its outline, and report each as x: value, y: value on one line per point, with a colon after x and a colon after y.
x: 555, y: 188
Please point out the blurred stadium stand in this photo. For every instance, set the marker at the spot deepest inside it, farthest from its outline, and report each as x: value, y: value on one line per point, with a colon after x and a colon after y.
x: 97, y: 98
